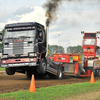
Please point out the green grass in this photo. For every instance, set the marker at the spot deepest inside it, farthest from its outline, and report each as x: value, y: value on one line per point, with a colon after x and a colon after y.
x: 54, y: 92
x: 2, y: 68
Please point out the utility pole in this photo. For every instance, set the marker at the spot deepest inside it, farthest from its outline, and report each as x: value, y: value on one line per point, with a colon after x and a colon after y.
x: 58, y: 41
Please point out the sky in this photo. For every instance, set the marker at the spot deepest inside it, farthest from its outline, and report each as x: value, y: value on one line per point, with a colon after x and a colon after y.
x: 73, y: 16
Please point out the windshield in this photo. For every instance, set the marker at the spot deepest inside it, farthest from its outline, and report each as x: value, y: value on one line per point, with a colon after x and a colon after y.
x: 89, y: 42
x: 17, y: 34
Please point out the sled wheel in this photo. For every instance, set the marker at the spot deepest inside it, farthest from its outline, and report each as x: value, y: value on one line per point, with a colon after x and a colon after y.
x: 60, y: 72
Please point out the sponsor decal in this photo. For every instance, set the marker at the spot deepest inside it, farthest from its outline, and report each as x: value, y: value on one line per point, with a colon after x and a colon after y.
x: 63, y: 58
x: 97, y: 64
x: 18, y: 40
x: 85, y: 50
x: 75, y: 57
x: 20, y: 28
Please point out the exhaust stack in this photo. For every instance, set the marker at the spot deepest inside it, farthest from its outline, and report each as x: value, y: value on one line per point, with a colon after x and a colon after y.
x: 47, y: 34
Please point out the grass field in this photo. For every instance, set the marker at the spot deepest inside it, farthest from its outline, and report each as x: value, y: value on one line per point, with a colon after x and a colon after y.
x: 53, y: 93
x: 2, y: 68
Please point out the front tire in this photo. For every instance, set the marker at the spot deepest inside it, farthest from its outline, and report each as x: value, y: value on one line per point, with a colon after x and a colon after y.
x: 41, y: 69
x: 10, y: 70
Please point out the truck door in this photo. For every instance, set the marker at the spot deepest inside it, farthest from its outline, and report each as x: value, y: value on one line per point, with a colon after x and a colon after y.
x: 51, y: 65
x: 39, y: 36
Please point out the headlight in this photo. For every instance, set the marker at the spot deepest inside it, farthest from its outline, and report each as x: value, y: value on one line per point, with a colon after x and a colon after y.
x: 4, y: 61
x: 4, y: 56
x: 32, y: 54
x: 31, y: 59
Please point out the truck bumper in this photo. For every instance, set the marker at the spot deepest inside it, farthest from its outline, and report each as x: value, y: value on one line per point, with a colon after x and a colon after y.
x: 18, y: 62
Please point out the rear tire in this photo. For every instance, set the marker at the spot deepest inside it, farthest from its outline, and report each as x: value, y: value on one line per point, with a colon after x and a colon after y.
x: 41, y: 69
x: 10, y: 70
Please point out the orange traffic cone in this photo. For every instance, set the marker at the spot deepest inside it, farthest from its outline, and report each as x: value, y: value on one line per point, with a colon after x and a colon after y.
x: 32, y: 85
x: 92, y: 78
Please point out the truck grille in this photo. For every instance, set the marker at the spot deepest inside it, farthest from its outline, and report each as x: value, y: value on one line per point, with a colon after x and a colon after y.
x: 18, y: 47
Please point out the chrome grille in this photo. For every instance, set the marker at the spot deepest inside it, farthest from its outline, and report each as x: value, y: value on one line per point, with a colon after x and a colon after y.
x: 18, y: 47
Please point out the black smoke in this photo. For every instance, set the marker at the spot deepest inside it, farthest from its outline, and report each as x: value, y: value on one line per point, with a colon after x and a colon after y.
x: 51, y: 7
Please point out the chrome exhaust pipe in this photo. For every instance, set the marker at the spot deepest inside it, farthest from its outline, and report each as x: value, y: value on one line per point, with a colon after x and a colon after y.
x: 47, y: 35
x: 82, y: 71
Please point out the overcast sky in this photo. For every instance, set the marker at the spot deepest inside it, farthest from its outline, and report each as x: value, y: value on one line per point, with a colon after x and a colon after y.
x: 72, y: 18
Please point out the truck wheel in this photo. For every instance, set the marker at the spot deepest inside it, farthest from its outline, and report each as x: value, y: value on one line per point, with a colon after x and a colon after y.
x: 59, y: 72
x: 10, y: 70
x: 41, y: 69
x: 28, y: 74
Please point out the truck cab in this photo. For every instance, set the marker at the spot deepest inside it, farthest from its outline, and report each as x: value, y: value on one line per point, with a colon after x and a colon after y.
x: 91, y: 52
x: 89, y: 44
x: 24, y: 48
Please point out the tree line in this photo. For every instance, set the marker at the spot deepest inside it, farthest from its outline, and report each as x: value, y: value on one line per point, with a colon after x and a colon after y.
x: 60, y: 49
x: 55, y: 49
x: 77, y: 49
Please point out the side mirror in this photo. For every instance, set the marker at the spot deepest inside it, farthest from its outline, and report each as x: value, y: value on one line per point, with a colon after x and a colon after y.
x: 1, y: 36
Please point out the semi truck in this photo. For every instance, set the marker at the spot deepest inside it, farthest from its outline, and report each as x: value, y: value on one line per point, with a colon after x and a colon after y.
x: 24, y: 48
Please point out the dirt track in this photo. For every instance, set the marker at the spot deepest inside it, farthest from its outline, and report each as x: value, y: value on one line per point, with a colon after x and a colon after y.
x: 20, y: 82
